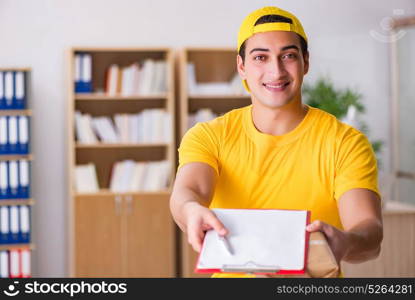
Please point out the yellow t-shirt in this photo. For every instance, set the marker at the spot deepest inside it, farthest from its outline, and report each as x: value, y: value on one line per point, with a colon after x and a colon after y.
x: 308, y: 168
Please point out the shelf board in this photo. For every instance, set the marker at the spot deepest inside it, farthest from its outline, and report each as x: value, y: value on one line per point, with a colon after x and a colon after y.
x: 15, y: 112
x: 213, y: 97
x: 18, y: 246
x: 15, y: 69
x: 106, y: 192
x: 104, y: 97
x: 7, y: 202
x: 106, y: 146
x: 16, y: 157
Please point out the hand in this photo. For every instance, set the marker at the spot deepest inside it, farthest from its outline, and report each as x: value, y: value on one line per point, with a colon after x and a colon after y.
x: 200, y: 219
x: 338, y: 240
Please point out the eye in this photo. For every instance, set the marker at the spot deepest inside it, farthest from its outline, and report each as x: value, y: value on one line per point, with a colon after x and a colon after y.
x: 259, y: 57
x: 290, y: 56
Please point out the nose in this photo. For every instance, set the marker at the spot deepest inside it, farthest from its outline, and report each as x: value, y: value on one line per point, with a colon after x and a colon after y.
x: 276, y: 69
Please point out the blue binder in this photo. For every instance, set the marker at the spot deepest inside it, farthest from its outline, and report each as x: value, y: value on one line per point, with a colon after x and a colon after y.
x: 4, y: 180
x: 4, y: 225
x: 19, y: 99
x: 3, y: 135
x: 8, y: 89
x: 24, y: 179
x: 24, y: 224
x: 13, y: 189
x: 14, y: 236
x: 23, y: 135
x: 2, y: 95
x: 83, y: 69
x: 13, y: 135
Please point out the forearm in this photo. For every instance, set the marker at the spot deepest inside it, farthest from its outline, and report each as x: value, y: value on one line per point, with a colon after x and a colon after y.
x: 180, y: 199
x: 364, y: 241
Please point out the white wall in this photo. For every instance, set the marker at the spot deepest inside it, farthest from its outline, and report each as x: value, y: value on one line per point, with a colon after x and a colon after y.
x: 36, y: 33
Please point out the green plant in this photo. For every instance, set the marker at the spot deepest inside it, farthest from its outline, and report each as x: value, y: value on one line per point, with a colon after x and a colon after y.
x: 323, y: 95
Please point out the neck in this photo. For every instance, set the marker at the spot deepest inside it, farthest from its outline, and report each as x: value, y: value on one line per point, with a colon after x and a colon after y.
x: 280, y: 120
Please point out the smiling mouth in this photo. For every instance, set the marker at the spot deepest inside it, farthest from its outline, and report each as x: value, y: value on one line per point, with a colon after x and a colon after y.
x: 276, y: 87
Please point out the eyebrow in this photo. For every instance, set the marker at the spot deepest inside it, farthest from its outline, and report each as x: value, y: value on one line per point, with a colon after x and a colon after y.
x: 282, y: 49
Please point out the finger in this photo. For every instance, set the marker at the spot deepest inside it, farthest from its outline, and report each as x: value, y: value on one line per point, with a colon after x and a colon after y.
x: 217, y: 225
x: 195, y: 237
x: 316, y: 226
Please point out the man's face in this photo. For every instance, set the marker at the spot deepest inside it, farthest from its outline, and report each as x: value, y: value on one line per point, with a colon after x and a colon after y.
x: 274, y: 68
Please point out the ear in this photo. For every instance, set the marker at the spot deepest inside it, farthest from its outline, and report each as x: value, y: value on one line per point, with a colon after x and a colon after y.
x: 306, y: 62
x: 240, y: 66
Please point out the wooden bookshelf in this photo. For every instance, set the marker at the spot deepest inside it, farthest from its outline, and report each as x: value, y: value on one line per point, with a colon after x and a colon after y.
x: 211, y: 65
x: 16, y: 246
x: 16, y: 112
x: 17, y: 156
x: 119, y: 234
x: 7, y: 202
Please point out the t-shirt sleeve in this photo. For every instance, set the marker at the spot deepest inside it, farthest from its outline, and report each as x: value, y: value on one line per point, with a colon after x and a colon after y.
x: 200, y: 144
x: 356, y: 165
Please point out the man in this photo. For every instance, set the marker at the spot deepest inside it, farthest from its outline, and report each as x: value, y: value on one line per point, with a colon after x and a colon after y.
x: 279, y: 153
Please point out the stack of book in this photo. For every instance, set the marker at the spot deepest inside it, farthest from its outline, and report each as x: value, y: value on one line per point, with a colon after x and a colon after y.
x: 148, y: 126
x: 148, y: 78
x: 14, y: 179
x: 201, y: 115
x: 126, y: 176
x: 233, y: 87
x: 14, y: 224
x: 14, y: 135
x: 13, y: 89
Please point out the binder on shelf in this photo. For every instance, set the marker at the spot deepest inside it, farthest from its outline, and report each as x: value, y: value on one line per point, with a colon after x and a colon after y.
x: 13, y: 179
x: 2, y: 95
x: 24, y: 179
x: 4, y: 225
x: 8, y: 90
x: 19, y: 90
x: 15, y: 266
x: 23, y: 135
x: 4, y: 180
x: 25, y: 263
x: 24, y: 224
x: 4, y: 264
x: 259, y: 241
x: 13, y: 135
x: 3, y: 135
x: 14, y: 237
x: 83, y: 73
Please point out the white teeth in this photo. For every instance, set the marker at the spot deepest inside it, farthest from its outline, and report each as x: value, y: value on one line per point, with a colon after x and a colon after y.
x: 275, y: 86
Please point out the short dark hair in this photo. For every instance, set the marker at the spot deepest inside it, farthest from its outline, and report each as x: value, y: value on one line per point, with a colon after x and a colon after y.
x: 275, y: 19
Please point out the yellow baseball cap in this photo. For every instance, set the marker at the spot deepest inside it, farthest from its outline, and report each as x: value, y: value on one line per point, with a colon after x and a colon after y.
x: 248, y: 27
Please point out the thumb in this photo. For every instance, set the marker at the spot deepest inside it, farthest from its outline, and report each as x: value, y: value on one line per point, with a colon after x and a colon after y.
x: 316, y: 226
x: 217, y: 225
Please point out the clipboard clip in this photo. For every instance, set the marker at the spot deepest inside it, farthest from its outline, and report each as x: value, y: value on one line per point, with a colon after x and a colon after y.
x: 250, y: 267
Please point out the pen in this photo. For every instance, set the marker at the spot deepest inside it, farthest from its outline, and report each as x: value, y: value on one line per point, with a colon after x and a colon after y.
x: 226, y: 244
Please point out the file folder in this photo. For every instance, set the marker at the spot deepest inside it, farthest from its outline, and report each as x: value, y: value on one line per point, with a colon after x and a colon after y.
x: 15, y: 268
x: 25, y: 263
x: 2, y: 95
x: 13, y: 135
x: 83, y: 73
x: 24, y: 223
x: 23, y: 135
x: 8, y: 89
x: 4, y: 149
x: 19, y: 90
x: 4, y: 264
x: 4, y: 180
x: 24, y: 179
x: 14, y: 225
x: 13, y: 179
x: 4, y: 225
x: 263, y: 241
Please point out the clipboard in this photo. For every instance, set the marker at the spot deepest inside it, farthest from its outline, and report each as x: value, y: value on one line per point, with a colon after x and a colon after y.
x: 261, y: 241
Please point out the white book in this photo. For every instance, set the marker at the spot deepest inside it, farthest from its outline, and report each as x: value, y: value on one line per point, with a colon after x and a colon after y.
x: 133, y: 121
x: 115, y: 177
x: 126, y: 84
x: 8, y: 88
x: 4, y: 181
x: 3, y: 131
x: 24, y: 219
x: 23, y: 129
x: 112, y: 79
x: 24, y: 176
x: 191, y: 79
x: 25, y: 258
x: 13, y: 176
x: 13, y: 134
x: 259, y: 241
x: 159, y: 80
x: 14, y: 219
x: 147, y: 77
x: 148, y: 180
x: 19, y: 85
x: 146, y: 125
x: 105, y: 130
x: 168, y: 128
x: 214, y: 88
x: 80, y: 134
x: 122, y: 127
x: 135, y: 78
x: 157, y: 118
x: 77, y: 68
x: 127, y: 172
x: 86, y: 73
x: 138, y: 176
x: 141, y: 135
x: 87, y: 129
x: 14, y: 263
x: 163, y: 77
x: 86, y: 179
x: 4, y: 220
x: 4, y: 264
